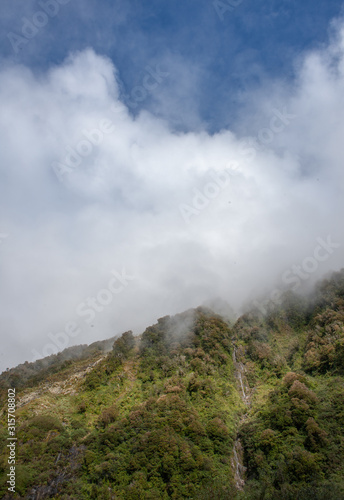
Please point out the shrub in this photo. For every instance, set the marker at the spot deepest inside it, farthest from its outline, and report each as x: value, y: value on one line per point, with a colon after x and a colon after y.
x: 217, y: 429
x: 123, y: 345
x: 290, y: 377
x: 45, y: 423
x: 301, y: 391
x: 108, y: 416
x: 315, y: 436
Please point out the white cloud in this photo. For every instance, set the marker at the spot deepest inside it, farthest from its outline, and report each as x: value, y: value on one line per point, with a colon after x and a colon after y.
x: 119, y: 204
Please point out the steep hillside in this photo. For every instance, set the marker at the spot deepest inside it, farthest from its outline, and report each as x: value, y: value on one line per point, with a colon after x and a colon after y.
x: 294, y: 358
x: 193, y: 408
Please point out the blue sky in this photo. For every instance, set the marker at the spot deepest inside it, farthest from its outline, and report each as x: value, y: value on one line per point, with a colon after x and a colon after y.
x: 155, y: 156
x: 226, y: 58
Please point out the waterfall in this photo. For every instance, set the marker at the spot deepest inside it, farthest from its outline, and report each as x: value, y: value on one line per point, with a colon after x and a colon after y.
x: 237, y: 464
x: 238, y: 452
x: 240, y: 375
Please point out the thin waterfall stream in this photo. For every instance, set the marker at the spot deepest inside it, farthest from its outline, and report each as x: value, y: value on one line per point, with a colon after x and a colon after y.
x: 238, y: 452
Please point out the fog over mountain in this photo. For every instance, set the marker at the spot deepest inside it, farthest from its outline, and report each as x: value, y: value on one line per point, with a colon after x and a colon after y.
x: 111, y: 219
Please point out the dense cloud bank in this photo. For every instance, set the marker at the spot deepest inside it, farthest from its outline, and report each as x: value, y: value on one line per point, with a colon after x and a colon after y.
x: 110, y: 221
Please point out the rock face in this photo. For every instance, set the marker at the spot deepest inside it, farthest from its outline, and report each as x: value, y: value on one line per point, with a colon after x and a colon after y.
x: 55, y: 486
x: 64, y: 387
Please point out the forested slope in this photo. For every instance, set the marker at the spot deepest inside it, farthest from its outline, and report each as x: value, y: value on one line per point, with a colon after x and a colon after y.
x: 195, y: 407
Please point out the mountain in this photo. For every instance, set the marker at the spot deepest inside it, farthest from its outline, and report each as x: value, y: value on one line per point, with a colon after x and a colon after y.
x: 195, y: 407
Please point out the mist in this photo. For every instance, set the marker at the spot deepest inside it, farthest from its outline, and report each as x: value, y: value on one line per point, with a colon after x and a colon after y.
x: 111, y: 219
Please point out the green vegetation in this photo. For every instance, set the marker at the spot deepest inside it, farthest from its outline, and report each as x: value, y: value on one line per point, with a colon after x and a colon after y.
x: 158, y: 416
x: 293, y: 438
